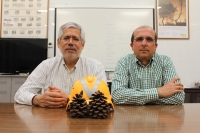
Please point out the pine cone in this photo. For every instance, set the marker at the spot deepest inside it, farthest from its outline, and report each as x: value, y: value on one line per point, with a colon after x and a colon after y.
x: 98, y: 106
x: 78, y: 106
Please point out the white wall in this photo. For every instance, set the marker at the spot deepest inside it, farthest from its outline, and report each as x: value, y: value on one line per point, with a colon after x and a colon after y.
x: 184, y: 53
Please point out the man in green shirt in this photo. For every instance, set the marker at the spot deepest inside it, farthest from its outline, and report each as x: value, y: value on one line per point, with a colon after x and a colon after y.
x: 145, y: 77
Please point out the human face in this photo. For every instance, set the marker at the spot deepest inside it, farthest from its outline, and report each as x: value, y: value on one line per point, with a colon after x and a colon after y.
x: 144, y: 45
x: 70, y: 43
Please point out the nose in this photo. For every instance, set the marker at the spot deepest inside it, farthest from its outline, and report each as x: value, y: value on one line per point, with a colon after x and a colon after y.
x: 70, y: 40
x: 70, y: 44
x: 144, y: 42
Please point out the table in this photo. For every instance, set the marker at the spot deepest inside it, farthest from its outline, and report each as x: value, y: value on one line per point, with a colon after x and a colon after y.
x: 125, y: 119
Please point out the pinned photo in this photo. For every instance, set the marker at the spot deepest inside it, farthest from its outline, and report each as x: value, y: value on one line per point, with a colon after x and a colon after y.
x: 14, y: 32
x: 30, y: 5
x: 38, y: 31
x: 6, y: 12
x: 16, y: 19
x: 22, y: 32
x: 31, y: 19
x: 30, y: 24
x: 38, y: 18
x: 30, y: 32
x: 23, y: 19
x: 19, y: 24
x: 38, y: 12
x: 17, y: 12
x: 38, y: 4
x: 5, y: 32
x: 6, y: 5
x: 28, y: 11
x: 38, y: 24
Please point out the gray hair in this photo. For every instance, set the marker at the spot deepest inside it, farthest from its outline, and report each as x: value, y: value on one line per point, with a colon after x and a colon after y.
x: 71, y: 24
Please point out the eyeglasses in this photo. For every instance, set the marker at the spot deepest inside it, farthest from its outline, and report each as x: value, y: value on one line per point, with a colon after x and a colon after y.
x: 148, y: 39
x: 67, y: 39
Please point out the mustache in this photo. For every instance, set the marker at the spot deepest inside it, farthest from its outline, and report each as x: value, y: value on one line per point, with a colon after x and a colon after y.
x: 70, y: 48
x: 144, y: 49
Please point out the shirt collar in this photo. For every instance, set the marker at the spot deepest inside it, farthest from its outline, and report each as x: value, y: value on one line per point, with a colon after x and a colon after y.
x: 139, y: 63
x: 76, y: 65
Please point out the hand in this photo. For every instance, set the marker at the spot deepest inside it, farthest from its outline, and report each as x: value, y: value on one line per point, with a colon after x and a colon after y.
x: 52, y: 98
x: 170, y: 88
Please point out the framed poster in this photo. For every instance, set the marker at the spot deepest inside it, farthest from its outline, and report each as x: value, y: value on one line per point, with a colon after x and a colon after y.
x: 24, y: 19
x: 173, y: 19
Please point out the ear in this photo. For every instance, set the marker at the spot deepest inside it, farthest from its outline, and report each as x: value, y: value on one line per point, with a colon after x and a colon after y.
x: 156, y: 45
x: 58, y: 42
x: 83, y: 44
x: 131, y: 44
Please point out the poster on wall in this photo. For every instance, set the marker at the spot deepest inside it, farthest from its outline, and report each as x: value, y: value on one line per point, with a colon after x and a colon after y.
x: 173, y: 19
x: 24, y: 19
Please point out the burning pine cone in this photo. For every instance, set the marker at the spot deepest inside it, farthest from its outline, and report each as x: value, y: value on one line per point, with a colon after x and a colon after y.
x: 98, y: 106
x: 78, y: 106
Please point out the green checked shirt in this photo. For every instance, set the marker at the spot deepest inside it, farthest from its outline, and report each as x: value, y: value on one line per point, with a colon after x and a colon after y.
x: 136, y: 84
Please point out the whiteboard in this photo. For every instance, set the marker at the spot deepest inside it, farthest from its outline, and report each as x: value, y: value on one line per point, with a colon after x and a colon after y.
x: 108, y: 30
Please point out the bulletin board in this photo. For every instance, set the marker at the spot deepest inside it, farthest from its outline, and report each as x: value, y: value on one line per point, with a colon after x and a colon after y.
x: 24, y: 19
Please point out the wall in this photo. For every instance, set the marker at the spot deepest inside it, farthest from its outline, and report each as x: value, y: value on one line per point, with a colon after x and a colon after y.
x: 184, y: 53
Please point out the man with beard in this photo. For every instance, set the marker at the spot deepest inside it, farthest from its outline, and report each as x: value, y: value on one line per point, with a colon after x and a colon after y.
x: 145, y: 77
x: 51, y: 82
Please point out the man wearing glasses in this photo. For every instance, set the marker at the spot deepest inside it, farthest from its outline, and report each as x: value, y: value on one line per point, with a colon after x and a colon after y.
x: 51, y: 82
x: 146, y: 77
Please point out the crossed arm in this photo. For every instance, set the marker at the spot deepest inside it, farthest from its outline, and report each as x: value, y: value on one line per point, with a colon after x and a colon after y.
x: 124, y: 91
